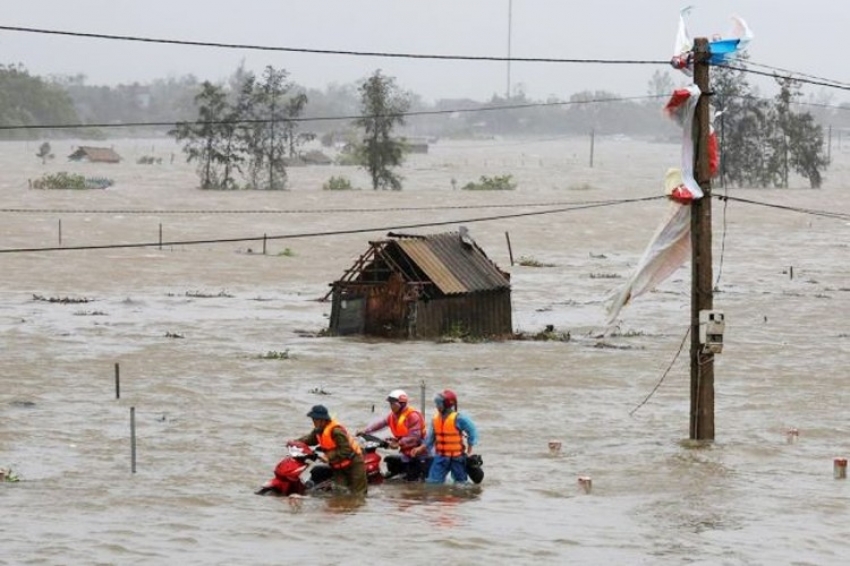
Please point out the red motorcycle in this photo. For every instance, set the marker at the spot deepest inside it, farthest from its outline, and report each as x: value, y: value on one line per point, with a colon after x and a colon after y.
x: 300, y: 472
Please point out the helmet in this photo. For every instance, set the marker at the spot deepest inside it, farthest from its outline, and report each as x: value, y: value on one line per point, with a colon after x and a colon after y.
x: 449, y: 398
x: 397, y: 395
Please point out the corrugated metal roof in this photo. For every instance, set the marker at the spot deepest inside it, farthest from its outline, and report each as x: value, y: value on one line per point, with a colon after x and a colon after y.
x: 453, y: 266
x: 96, y: 154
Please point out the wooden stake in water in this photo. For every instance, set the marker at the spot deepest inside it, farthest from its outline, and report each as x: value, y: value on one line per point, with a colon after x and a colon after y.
x: 117, y: 382
x: 422, y: 396
x: 839, y: 468
x: 133, y: 439
x: 510, y: 251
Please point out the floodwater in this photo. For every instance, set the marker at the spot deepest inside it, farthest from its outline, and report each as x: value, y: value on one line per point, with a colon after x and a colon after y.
x: 189, y: 326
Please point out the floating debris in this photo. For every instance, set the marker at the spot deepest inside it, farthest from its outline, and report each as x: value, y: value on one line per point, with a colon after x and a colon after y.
x: 201, y: 295
x: 610, y: 346
x: 275, y: 355
x: 8, y: 475
x: 173, y: 335
x: 62, y: 300
x: 321, y: 391
x: 531, y: 262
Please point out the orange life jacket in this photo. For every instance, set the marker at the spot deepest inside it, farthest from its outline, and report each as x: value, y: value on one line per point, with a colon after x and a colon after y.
x: 398, y: 423
x: 327, y: 443
x: 449, y: 440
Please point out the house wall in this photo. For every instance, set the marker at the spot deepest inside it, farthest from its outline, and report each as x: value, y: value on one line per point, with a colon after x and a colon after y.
x: 380, y: 310
x: 478, y: 314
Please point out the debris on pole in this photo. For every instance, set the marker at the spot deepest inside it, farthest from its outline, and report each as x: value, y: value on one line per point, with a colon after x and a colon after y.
x: 702, y: 297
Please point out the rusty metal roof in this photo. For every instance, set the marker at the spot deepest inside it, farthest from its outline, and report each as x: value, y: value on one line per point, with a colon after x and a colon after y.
x: 455, y: 266
x: 96, y: 154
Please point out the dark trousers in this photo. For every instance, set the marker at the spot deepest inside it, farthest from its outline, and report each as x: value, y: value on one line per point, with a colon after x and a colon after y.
x: 353, y: 476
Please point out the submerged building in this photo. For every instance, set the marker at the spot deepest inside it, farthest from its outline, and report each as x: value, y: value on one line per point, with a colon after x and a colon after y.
x: 422, y: 286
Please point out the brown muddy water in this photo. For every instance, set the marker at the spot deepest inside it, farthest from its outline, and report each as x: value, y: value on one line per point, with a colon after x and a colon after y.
x: 212, y: 416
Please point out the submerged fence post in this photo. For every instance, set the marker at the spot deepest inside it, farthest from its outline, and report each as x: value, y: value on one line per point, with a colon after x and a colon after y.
x: 117, y: 382
x: 133, y: 439
x: 422, y: 396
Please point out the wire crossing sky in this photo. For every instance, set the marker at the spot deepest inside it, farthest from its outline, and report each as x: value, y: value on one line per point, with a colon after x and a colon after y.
x: 796, y: 35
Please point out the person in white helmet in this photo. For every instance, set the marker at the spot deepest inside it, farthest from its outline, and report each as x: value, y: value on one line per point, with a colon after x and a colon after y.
x: 408, y: 429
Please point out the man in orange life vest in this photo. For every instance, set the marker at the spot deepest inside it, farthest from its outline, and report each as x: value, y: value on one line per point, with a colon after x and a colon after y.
x: 451, y: 436
x: 408, y: 428
x: 341, y: 451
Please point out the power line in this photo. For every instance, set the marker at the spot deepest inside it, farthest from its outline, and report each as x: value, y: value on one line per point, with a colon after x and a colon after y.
x: 415, y: 113
x: 332, y: 232
x: 574, y: 207
x: 811, y: 211
x: 330, y: 51
x: 396, y: 55
x: 154, y: 212
x: 831, y: 84
x: 790, y: 72
x: 332, y: 118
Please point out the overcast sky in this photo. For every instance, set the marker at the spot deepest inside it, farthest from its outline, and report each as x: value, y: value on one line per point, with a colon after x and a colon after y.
x: 804, y: 36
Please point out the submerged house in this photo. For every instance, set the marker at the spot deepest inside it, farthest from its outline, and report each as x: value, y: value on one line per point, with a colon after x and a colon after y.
x: 411, y: 286
x: 95, y: 155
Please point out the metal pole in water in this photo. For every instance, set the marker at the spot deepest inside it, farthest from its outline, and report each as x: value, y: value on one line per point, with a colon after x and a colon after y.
x: 133, y: 439
x: 422, y: 395
x: 117, y: 382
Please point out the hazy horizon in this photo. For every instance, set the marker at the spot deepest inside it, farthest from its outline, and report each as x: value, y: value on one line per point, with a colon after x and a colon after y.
x: 788, y: 35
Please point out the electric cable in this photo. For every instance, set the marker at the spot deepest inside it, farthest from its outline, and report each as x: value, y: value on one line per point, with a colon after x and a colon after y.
x: 836, y: 85
x: 660, y: 381
x: 328, y: 233
x: 408, y: 114
x: 162, y: 211
x: 383, y: 54
x: 813, y: 212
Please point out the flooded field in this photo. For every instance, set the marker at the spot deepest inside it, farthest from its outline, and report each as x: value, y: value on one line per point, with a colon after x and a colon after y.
x: 190, y: 326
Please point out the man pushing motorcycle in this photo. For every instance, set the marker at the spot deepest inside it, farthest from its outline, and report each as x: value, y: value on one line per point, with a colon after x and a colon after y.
x: 408, y: 429
x: 341, y: 451
x: 452, y: 436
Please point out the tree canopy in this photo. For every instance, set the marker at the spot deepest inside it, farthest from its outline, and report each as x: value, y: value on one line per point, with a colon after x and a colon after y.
x: 383, y: 105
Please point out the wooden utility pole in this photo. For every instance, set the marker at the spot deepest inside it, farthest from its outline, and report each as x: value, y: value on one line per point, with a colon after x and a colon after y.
x: 702, y: 293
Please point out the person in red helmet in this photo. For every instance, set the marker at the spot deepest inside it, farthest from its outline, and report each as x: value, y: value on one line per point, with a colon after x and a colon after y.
x: 407, y: 426
x: 452, y: 436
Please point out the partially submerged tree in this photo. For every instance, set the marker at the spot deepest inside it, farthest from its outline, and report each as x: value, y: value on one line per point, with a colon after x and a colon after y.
x: 802, y: 144
x: 248, y: 131
x: 762, y: 140
x: 383, y: 105
x: 203, y: 138
x: 44, y: 152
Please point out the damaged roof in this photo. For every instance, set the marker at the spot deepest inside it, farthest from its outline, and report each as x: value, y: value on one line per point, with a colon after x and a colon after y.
x: 95, y: 154
x: 453, y: 262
